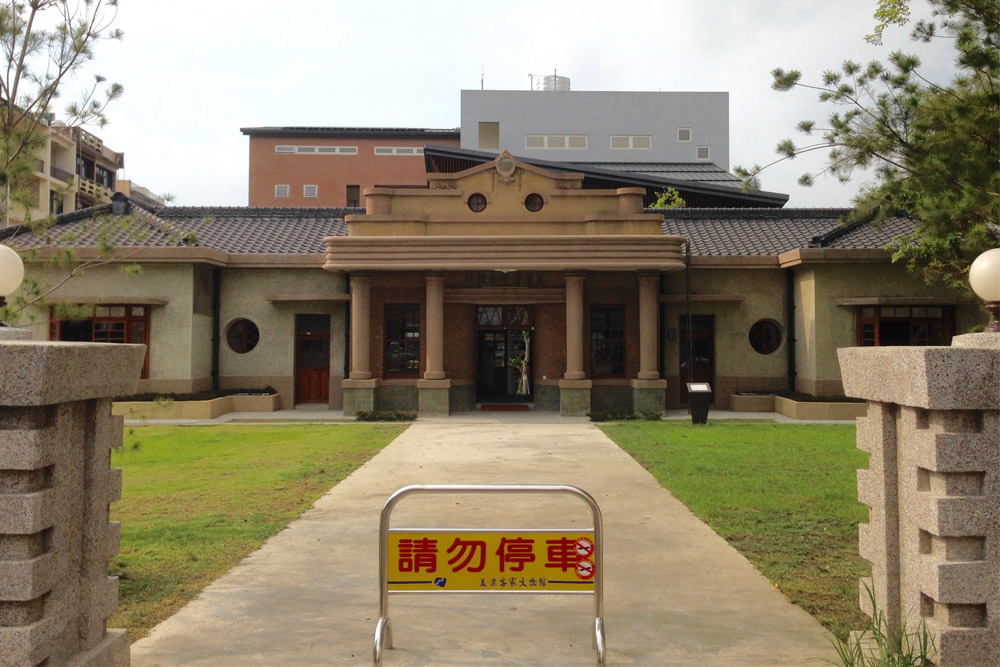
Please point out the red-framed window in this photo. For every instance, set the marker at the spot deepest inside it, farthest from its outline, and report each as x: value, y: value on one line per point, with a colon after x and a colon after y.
x: 402, y: 340
x: 110, y: 323
x: 882, y: 326
x: 607, y: 341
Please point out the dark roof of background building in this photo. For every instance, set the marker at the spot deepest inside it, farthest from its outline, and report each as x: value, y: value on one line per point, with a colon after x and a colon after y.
x: 297, y: 231
x: 703, y: 172
x: 353, y: 132
x: 697, y: 193
x: 761, y: 231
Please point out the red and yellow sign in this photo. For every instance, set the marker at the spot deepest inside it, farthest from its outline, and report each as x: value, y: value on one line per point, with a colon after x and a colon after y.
x: 511, y: 561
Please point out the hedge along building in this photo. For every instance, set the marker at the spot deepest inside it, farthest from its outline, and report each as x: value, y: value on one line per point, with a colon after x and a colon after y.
x: 237, y: 297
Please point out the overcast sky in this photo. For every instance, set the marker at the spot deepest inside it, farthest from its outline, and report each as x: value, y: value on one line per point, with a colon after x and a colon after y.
x: 195, y: 72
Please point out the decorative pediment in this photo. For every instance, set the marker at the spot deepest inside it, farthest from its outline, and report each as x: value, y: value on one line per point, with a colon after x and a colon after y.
x: 505, y: 197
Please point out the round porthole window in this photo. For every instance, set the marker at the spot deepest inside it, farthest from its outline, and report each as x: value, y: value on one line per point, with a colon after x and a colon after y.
x: 765, y: 336
x: 243, y: 336
x: 534, y: 202
x: 477, y: 202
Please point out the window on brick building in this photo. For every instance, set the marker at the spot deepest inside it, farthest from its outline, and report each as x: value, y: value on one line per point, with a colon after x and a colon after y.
x: 353, y: 195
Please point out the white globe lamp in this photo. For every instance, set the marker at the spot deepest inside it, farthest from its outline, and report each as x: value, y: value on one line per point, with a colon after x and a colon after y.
x: 11, y: 272
x: 984, y: 278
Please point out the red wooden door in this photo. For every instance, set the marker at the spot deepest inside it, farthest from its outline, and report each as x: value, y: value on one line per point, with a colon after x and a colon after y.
x: 312, y: 359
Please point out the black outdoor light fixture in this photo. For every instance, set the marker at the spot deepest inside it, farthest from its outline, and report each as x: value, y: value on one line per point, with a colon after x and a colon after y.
x: 11, y: 274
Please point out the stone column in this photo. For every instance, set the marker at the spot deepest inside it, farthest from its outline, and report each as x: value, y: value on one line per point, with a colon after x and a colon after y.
x: 574, y: 389
x: 574, y: 326
x: 435, y: 327
x: 649, y: 392
x: 433, y: 390
x: 359, y: 388
x: 56, y: 436
x: 361, y: 318
x: 933, y: 486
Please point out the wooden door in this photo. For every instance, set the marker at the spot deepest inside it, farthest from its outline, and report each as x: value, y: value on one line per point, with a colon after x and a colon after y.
x: 312, y: 358
x: 697, y: 353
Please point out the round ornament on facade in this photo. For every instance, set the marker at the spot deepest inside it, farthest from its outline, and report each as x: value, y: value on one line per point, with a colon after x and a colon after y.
x: 534, y: 202
x: 242, y: 336
x: 765, y: 336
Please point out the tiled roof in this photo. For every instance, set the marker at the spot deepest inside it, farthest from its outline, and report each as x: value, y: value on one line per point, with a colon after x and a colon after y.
x: 296, y: 231
x: 240, y: 230
x: 771, y: 231
x: 687, y: 171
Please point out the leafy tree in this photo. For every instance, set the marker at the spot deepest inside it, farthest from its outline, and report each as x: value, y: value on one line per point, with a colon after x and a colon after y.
x: 935, y: 149
x: 44, y: 44
x: 669, y: 198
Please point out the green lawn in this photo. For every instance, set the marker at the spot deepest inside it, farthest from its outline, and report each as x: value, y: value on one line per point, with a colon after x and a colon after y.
x: 197, y: 499
x: 784, y: 495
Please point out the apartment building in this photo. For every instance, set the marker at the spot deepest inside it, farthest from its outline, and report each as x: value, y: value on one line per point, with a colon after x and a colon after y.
x: 73, y: 170
x: 332, y: 166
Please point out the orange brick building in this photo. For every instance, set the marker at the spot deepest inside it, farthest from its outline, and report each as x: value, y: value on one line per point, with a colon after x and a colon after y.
x: 332, y: 166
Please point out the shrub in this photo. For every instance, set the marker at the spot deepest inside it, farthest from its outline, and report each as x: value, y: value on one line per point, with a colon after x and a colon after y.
x: 385, y: 416
x: 195, y: 395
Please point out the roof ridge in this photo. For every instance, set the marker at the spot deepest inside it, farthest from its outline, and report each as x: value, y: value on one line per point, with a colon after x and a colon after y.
x: 752, y: 213
x: 287, y: 211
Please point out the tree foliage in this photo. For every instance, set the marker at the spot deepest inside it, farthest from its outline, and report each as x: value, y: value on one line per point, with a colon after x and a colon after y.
x: 44, y: 44
x: 934, y: 149
x: 669, y: 198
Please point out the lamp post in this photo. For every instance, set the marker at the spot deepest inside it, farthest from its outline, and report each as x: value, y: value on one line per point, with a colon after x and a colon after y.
x: 11, y: 274
x: 984, y: 278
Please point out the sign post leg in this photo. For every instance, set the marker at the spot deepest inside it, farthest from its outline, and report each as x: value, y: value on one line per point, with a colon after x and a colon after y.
x: 383, y: 640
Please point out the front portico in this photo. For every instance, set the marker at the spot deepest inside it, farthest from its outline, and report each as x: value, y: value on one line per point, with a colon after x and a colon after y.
x: 504, y: 283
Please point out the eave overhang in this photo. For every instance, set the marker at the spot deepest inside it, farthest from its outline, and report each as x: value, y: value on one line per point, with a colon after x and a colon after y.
x: 507, y: 253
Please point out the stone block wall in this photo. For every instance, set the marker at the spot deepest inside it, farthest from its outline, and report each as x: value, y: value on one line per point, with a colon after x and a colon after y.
x: 933, y: 488
x: 56, y: 486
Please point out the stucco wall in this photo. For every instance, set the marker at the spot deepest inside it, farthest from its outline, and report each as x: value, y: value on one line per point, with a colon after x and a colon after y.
x: 833, y: 326
x: 171, y: 356
x: 201, y: 327
x: 272, y: 361
x: 744, y: 296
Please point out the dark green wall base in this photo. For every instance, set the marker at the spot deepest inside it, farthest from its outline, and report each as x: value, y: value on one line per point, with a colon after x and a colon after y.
x: 462, y: 398
x: 433, y: 401
x: 649, y: 401
x: 574, y: 402
x: 547, y: 397
x: 611, y: 398
x: 358, y: 400
x: 396, y: 397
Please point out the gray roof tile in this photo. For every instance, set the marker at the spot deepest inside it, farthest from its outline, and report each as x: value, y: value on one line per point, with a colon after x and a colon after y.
x: 241, y: 230
x: 771, y: 231
x: 295, y: 231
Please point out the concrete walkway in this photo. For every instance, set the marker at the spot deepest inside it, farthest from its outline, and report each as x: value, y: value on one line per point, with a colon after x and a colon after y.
x: 675, y: 592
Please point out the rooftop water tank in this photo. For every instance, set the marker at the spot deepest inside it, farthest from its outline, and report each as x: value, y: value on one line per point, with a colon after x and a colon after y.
x: 554, y: 82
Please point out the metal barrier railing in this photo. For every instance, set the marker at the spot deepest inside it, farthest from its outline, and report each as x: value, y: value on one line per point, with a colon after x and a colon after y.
x: 571, y: 552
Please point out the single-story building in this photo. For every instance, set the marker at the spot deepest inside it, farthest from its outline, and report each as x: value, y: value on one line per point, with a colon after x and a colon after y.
x: 503, y: 282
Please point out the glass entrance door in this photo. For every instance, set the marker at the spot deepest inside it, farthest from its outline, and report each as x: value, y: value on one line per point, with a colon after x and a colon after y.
x: 503, y: 348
